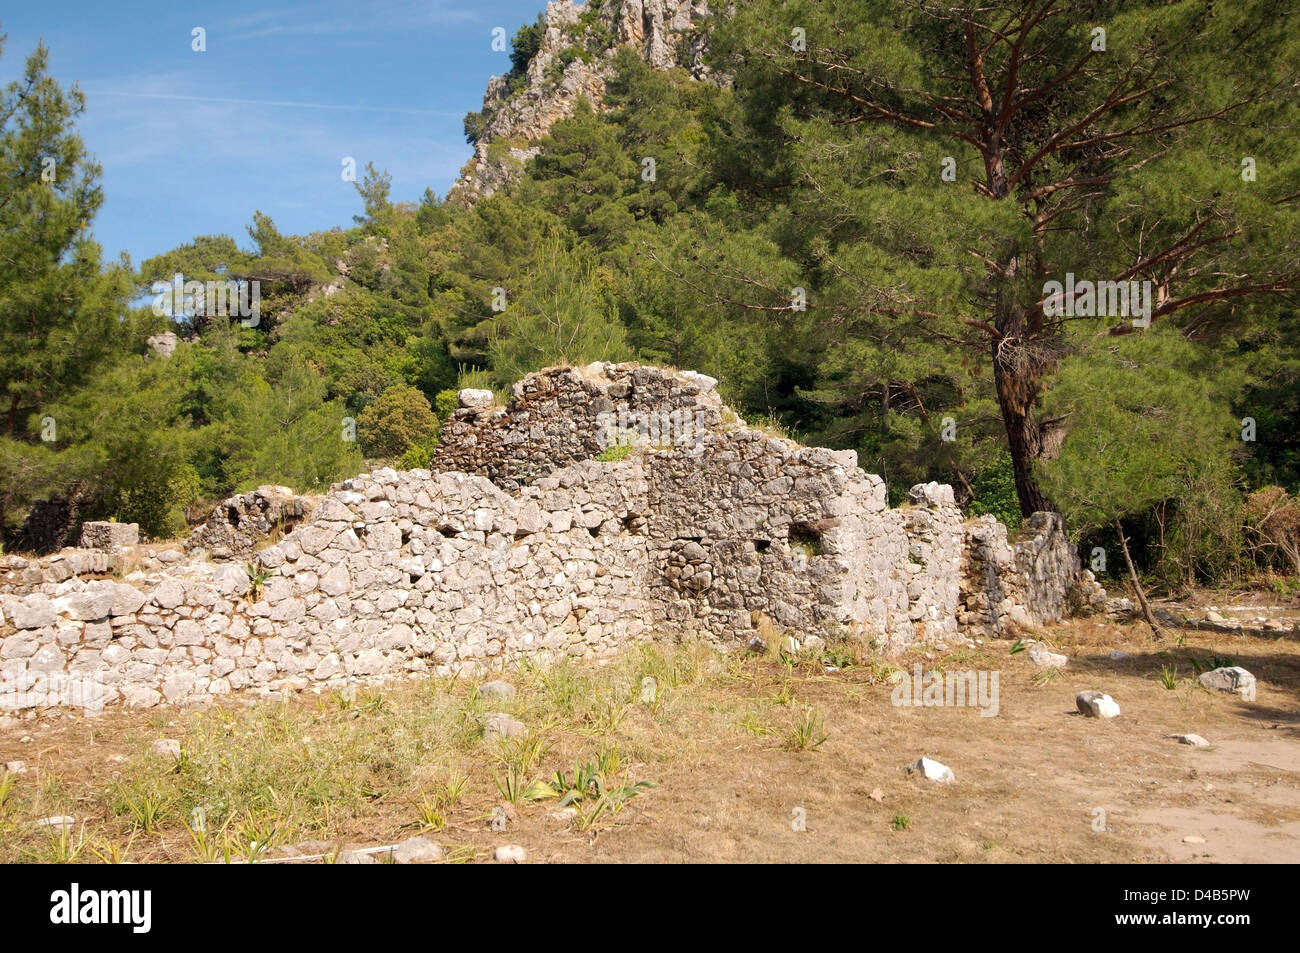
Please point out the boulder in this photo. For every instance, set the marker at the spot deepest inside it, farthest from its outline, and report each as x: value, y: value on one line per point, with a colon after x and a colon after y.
x: 1096, y: 704
x: 1233, y: 679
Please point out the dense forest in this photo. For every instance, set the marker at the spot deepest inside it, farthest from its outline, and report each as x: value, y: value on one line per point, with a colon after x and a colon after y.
x: 855, y: 230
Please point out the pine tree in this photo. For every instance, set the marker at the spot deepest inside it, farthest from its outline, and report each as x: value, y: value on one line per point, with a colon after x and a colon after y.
x: 59, y: 310
x: 937, y: 166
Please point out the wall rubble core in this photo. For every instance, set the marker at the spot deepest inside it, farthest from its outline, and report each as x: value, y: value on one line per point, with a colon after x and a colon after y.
x: 522, y: 542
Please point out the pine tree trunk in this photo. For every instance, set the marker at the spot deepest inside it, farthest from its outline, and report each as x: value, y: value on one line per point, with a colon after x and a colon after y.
x: 1137, y: 586
x: 1016, y: 391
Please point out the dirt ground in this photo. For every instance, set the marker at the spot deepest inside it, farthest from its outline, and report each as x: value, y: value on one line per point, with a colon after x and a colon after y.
x: 1038, y: 782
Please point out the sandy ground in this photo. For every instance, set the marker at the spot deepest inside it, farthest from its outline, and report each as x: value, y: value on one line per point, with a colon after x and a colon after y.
x: 1038, y: 782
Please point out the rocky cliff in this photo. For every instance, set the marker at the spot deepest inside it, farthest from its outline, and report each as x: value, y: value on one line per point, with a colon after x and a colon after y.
x: 574, y: 59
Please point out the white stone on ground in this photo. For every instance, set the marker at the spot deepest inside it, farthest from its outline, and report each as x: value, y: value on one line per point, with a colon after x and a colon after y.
x: 167, y: 748
x: 510, y: 854
x: 502, y: 725
x: 355, y: 857
x: 1096, y: 704
x: 1041, y: 657
x: 417, y: 850
x: 496, y: 689
x: 933, y: 770
x: 1234, y: 679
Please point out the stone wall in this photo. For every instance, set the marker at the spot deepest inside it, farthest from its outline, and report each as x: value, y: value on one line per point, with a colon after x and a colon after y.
x: 564, y: 415
x: 553, y: 546
x: 1010, y: 584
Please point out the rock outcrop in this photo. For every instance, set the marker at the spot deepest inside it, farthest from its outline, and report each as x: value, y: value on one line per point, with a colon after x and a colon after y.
x: 573, y: 61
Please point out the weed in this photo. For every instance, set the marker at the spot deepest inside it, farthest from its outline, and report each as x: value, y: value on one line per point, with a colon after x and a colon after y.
x: 431, y: 816
x: 62, y: 847
x: 616, y: 453
x: 110, y: 852
x: 256, y: 578
x: 148, y: 804
x: 808, y: 732
x: 7, y: 782
x: 1211, y: 663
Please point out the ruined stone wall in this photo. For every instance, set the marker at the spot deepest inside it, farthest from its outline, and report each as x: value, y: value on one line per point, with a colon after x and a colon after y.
x: 565, y: 415
x: 1010, y: 584
x: 236, y: 525
x: 710, y: 530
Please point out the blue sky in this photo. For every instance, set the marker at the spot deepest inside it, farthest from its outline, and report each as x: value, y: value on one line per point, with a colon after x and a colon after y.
x: 191, y: 143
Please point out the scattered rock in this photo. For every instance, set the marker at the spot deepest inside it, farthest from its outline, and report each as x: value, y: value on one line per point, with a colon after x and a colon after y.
x: 563, y: 814
x: 877, y: 795
x: 1196, y: 741
x: 169, y: 556
x: 1120, y: 607
x: 933, y: 770
x: 60, y: 823
x: 757, y: 645
x: 355, y: 857
x: 167, y: 748
x: 500, y: 724
x: 417, y: 850
x: 1193, y: 839
x: 1234, y: 679
x: 1096, y: 704
x: 16, y: 767
x: 510, y: 854
x: 1117, y: 656
x: 1213, y: 616
x: 497, y: 689
x: 1041, y: 657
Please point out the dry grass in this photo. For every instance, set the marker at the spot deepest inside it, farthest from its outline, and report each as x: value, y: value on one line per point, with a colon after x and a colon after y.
x: 712, y: 760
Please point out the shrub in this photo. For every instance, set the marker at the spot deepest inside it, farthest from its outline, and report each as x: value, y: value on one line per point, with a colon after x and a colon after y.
x: 1273, y: 526
x: 398, y: 420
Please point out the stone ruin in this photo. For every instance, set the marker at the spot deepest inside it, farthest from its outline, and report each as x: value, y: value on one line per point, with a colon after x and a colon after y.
x: 603, y: 505
x: 235, y: 527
